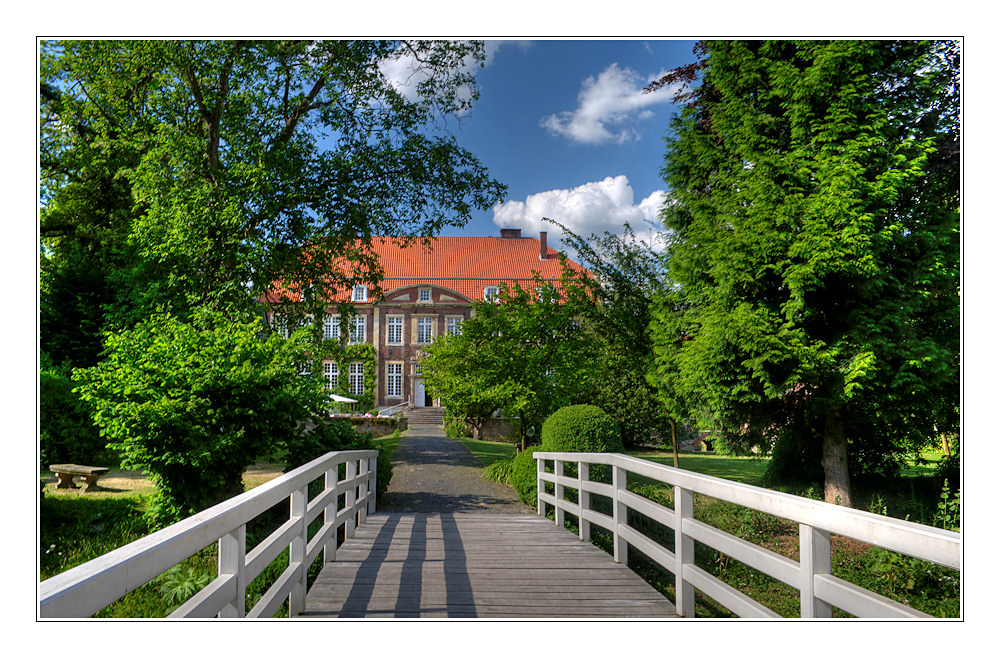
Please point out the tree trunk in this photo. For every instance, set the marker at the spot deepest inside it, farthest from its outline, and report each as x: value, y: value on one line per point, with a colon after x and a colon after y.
x: 945, y: 444
x: 673, y: 438
x: 837, y: 484
x: 524, y: 438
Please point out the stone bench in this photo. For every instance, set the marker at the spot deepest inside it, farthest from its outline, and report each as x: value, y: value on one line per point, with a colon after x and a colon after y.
x: 66, y: 472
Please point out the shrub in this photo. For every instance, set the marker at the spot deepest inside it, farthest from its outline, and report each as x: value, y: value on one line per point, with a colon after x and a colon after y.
x: 322, y: 435
x: 66, y: 430
x: 524, y: 476
x: 194, y: 403
x: 330, y: 435
x: 581, y: 428
x: 455, y: 425
x: 499, y: 471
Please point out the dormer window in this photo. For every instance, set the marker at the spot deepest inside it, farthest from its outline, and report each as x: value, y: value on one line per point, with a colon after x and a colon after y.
x: 424, y: 295
x: 360, y: 293
x: 491, y: 293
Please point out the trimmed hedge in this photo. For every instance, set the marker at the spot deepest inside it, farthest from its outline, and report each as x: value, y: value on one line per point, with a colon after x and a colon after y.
x: 581, y: 428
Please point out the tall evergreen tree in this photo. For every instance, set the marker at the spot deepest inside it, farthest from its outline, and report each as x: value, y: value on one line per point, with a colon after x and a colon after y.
x: 814, y: 211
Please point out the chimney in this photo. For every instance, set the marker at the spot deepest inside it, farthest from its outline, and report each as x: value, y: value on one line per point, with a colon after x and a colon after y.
x: 543, y: 251
x: 510, y: 233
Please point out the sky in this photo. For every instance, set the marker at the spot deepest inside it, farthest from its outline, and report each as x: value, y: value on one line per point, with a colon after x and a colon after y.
x: 565, y: 125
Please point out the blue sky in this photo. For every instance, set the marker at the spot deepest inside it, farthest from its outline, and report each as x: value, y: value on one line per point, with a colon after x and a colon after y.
x: 564, y: 124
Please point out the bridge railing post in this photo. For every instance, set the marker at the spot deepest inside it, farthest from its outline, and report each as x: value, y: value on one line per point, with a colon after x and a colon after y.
x: 583, y: 498
x: 297, y: 551
x: 330, y: 514
x: 350, y: 498
x: 372, y: 483
x: 814, y: 559
x: 619, y: 480
x: 560, y: 493
x: 683, y: 551
x: 539, y: 485
x: 232, y: 562
x: 363, y: 467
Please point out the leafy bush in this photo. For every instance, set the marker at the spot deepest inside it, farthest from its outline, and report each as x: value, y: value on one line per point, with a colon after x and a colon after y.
x: 194, y: 403
x: 321, y: 436
x: 330, y: 435
x: 499, y: 471
x: 66, y: 430
x: 179, y: 583
x: 524, y: 476
x: 581, y: 428
x: 455, y: 425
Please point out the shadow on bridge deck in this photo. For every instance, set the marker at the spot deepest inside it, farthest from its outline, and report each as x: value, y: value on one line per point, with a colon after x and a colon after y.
x: 476, y: 565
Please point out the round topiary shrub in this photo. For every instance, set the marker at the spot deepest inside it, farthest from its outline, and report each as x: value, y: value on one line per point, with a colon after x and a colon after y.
x: 581, y: 428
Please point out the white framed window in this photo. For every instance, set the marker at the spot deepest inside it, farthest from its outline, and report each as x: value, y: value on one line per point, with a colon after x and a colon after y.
x: 356, y: 378
x: 394, y: 380
x: 331, y: 327
x: 424, y: 295
x: 453, y: 326
x: 279, y: 324
x: 394, y: 330
x: 357, y: 330
x: 331, y: 375
x: 425, y: 330
x: 491, y: 293
x: 360, y: 293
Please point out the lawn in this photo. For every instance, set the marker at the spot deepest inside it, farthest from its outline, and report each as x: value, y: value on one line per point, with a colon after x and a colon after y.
x: 748, y: 470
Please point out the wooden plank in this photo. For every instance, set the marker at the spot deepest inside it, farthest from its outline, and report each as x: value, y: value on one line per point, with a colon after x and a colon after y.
x: 476, y: 565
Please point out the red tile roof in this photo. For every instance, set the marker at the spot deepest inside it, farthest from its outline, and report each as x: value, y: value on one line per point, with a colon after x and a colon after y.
x: 465, y: 264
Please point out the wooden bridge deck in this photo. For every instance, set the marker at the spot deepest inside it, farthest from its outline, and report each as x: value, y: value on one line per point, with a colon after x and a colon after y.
x: 476, y: 565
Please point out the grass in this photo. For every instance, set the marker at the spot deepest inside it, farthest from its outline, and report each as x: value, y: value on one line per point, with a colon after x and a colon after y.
x: 748, y: 470
x: 489, y: 452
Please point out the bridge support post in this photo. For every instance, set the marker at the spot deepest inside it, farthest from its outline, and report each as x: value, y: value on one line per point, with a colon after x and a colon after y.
x: 814, y: 558
x: 683, y: 551
x: 232, y: 562
x: 583, y: 498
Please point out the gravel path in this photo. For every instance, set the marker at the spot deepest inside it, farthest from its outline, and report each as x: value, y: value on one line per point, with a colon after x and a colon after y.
x: 433, y: 473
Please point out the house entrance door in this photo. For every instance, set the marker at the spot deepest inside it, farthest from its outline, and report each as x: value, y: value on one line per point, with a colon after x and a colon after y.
x: 419, y: 393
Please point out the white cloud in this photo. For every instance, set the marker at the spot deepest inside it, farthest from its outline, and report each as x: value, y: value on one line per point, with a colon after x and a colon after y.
x: 608, y: 108
x: 591, y: 208
x: 404, y: 72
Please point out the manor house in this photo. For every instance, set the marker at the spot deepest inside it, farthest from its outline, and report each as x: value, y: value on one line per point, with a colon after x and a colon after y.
x: 429, y: 291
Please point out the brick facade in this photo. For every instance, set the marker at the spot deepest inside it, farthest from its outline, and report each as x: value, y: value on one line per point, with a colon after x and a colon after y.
x: 430, y: 289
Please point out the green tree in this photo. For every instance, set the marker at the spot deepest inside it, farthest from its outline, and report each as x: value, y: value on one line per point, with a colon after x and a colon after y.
x: 192, y: 175
x: 242, y: 163
x: 814, y: 217
x: 625, y: 274
x: 526, y: 353
x: 194, y: 403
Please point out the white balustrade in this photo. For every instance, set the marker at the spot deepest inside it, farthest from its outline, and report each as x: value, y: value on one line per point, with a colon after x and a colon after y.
x: 820, y: 591
x: 90, y: 587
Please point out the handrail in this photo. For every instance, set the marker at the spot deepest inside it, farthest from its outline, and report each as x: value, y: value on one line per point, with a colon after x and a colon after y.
x: 811, y: 575
x: 396, y: 408
x: 90, y: 587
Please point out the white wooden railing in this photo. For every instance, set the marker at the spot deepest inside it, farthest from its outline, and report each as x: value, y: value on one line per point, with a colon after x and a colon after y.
x: 820, y: 591
x: 86, y: 589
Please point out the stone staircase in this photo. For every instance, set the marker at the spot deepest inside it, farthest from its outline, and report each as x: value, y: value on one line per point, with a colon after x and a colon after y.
x: 433, y: 416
